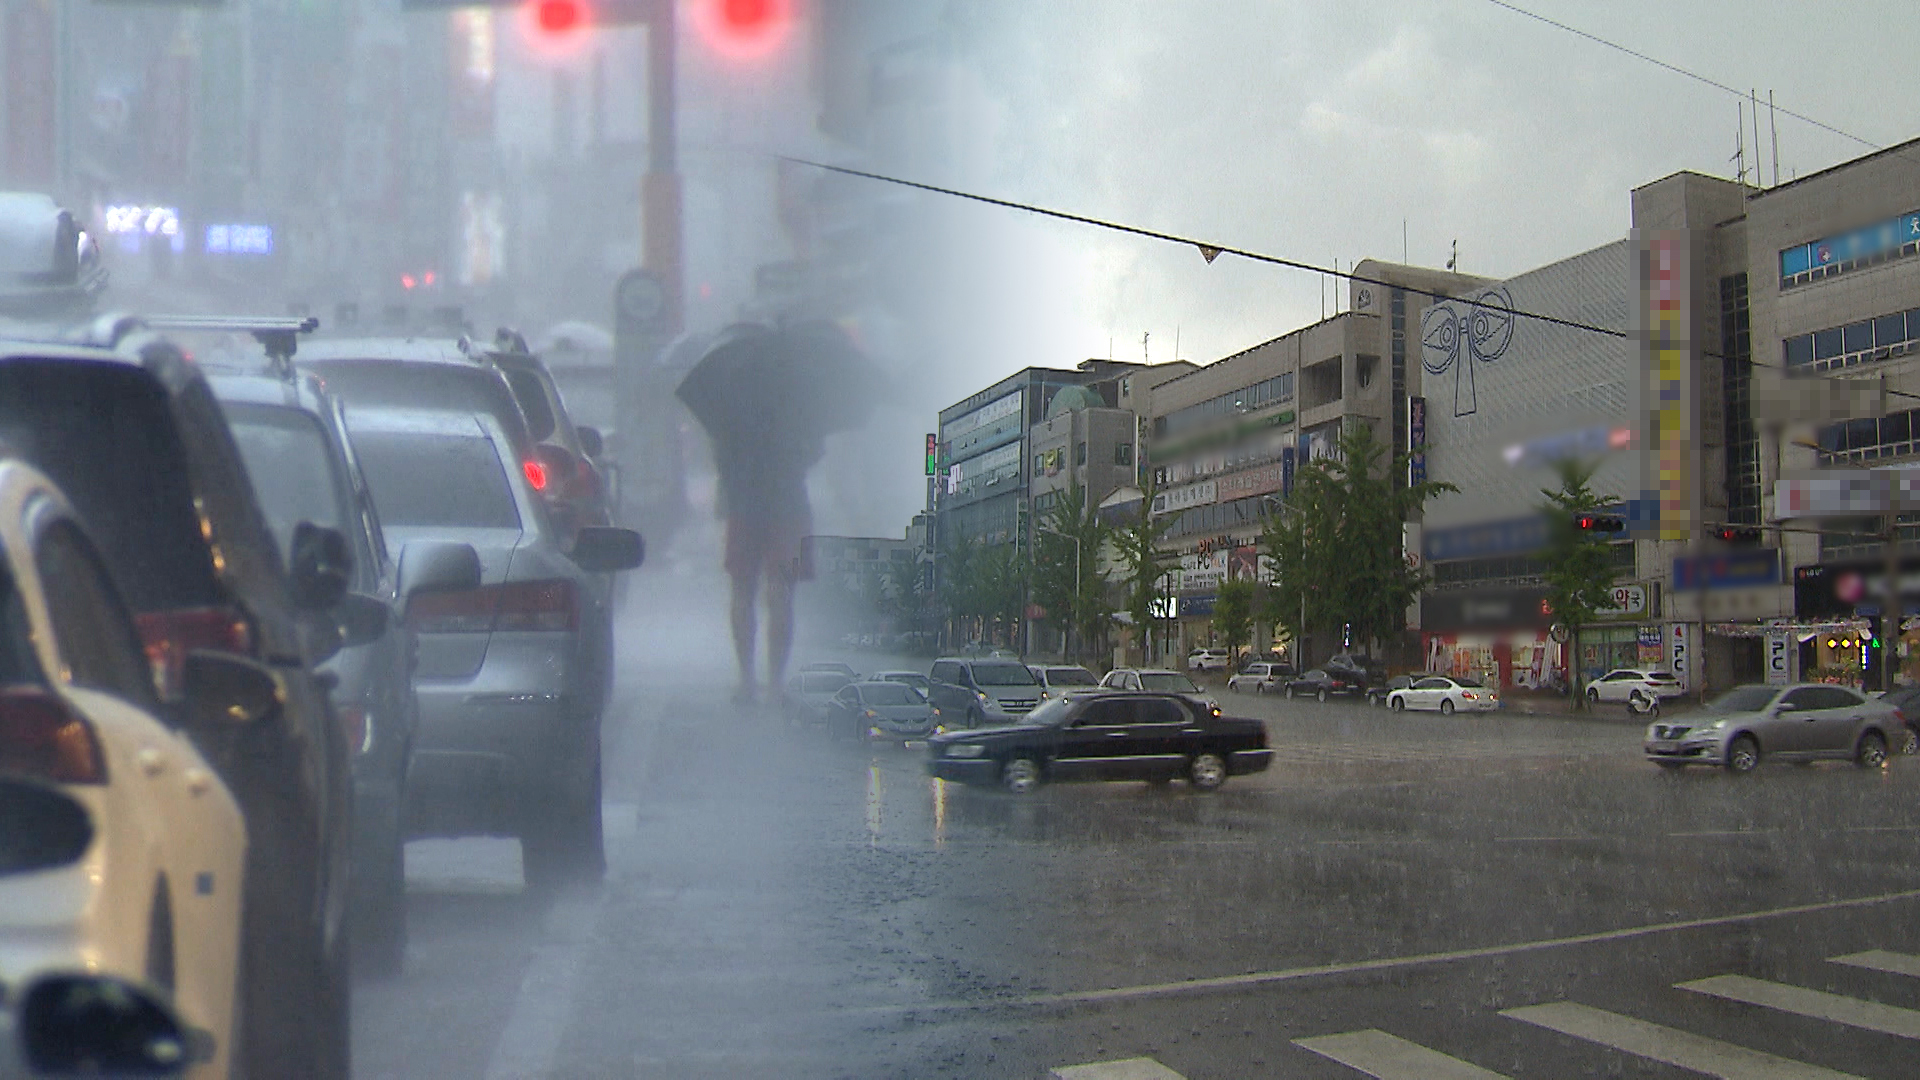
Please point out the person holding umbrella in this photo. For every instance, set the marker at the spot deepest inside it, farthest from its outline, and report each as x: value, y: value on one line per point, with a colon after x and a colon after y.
x: 768, y: 398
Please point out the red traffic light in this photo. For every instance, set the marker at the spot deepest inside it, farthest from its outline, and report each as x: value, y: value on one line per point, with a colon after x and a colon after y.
x: 1598, y: 523
x: 1745, y: 536
x: 744, y: 29
x: 559, y: 16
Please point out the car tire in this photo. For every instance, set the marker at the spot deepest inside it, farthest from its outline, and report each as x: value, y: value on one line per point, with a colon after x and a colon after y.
x: 1871, y: 751
x: 1910, y: 745
x: 1289, y: 693
x: 1446, y: 706
x: 1397, y: 704
x: 565, y: 843
x: 1020, y: 775
x: 1321, y: 697
x: 159, y: 969
x: 1743, y: 755
x: 380, y: 904
x: 1207, y: 772
x: 1593, y: 693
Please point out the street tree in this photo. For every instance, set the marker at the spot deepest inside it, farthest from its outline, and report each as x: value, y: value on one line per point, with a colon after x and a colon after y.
x: 1137, y: 542
x: 1578, y: 570
x: 1233, y: 613
x: 1066, y: 567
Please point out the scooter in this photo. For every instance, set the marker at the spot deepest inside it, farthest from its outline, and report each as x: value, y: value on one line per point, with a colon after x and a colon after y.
x: 1643, y: 704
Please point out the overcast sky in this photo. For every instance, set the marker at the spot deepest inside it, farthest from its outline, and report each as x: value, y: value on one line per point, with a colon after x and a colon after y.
x: 1313, y: 130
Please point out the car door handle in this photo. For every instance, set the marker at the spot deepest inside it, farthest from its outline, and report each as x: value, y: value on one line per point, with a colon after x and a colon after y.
x: 199, y: 781
x: 1116, y: 734
x: 151, y: 761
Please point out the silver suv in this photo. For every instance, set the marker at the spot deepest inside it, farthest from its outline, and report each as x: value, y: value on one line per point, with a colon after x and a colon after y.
x: 983, y: 691
x: 1804, y: 722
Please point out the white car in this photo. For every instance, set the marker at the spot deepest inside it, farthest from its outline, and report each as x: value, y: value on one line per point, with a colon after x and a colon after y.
x: 1621, y: 684
x: 1260, y: 678
x: 148, y: 885
x: 1208, y: 660
x: 1445, y: 695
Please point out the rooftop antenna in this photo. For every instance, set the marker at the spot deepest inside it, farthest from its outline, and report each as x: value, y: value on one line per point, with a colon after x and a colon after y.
x: 1773, y: 121
x: 1403, y: 240
x: 1753, y: 99
x: 1144, y: 355
x: 1176, y: 343
x: 1740, y: 144
x: 1453, y: 260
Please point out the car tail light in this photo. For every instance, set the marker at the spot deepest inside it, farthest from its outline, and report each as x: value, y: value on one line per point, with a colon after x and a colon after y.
x: 170, y: 635
x: 1468, y: 694
x: 43, y: 738
x: 358, y: 727
x: 551, y: 605
x: 536, y: 474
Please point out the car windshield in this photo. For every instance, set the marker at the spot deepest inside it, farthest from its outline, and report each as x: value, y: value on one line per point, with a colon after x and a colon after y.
x: 1049, y: 713
x: 1071, y: 676
x: 890, y: 694
x: 424, y: 480
x: 1744, y: 699
x: 1167, y: 682
x: 1008, y: 674
x: 1475, y: 684
x: 295, y: 477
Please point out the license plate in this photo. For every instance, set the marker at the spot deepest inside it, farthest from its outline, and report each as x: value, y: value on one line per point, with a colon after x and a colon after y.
x: 1665, y: 746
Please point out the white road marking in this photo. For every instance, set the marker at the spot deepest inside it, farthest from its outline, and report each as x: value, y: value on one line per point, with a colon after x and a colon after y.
x: 1853, y: 1012
x: 530, y: 1039
x: 1389, y: 1057
x: 1130, y: 1069
x: 1283, y: 975
x: 1880, y: 960
x: 1668, y: 1045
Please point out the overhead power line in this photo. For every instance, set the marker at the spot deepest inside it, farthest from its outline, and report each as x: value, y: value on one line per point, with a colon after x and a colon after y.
x: 1743, y: 95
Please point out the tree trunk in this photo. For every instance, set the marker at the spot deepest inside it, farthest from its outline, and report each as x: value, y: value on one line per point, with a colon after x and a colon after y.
x: 1574, y: 672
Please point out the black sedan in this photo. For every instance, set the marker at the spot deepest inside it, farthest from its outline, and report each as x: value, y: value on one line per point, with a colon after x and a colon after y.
x: 1323, y: 684
x: 1105, y: 736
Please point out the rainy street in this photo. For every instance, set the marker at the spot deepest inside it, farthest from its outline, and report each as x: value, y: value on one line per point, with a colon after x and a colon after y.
x: 781, y: 905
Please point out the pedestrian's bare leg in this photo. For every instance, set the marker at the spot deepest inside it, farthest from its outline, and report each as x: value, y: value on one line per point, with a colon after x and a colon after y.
x: 779, y: 625
x: 746, y: 584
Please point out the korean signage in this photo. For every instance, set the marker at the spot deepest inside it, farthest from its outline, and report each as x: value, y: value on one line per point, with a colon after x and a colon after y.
x: 1626, y: 601
x: 1494, y: 538
x: 1490, y: 609
x: 1839, y: 590
x: 1416, y: 440
x: 1663, y: 317
x: 1205, y: 493
x: 1733, y: 570
x: 997, y: 409
x: 239, y: 240
x: 1260, y: 481
x: 1680, y: 653
x: 1877, y: 239
x: 933, y: 454
x: 1779, y: 659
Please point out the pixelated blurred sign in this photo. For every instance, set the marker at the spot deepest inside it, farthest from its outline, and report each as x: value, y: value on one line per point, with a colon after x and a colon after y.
x: 1733, y: 570
x: 1779, y: 399
x: 1847, y: 492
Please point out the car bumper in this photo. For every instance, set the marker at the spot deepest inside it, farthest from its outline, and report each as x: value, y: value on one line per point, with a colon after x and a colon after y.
x: 964, y: 770
x: 1241, y: 762
x: 1686, y: 752
x: 488, y: 746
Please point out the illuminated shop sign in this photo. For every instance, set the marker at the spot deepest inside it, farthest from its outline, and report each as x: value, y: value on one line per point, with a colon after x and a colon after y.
x: 131, y: 220
x: 239, y: 240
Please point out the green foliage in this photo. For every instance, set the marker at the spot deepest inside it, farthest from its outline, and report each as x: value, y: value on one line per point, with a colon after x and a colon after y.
x: 1080, y: 604
x: 1138, y: 544
x: 1233, y: 612
x: 1338, y: 545
x: 1579, y: 573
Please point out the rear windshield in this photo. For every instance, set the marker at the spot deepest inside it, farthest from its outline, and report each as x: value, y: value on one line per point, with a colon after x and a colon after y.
x: 1661, y: 676
x: 1167, y: 682
x: 294, y: 475
x: 890, y: 694
x: 822, y: 682
x: 532, y: 395
x: 1471, y: 684
x: 1008, y: 674
x: 423, y: 385
x: 104, y: 434
x: 436, y: 481
x: 1071, y: 676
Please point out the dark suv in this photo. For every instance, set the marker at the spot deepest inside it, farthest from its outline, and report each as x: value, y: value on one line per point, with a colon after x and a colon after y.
x: 130, y: 430
x: 293, y: 438
x: 579, y: 493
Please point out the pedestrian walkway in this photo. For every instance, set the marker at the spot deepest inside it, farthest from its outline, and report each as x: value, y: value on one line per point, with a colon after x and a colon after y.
x: 1383, y: 1055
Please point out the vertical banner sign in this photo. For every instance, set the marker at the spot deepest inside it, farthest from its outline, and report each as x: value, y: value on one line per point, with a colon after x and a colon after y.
x: 1417, y: 440
x: 1779, y: 659
x: 933, y: 454
x: 1664, y: 311
x: 1680, y: 653
x: 1286, y: 471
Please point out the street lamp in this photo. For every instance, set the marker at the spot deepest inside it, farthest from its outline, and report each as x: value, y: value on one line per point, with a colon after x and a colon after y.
x: 1038, y: 527
x: 1299, y: 658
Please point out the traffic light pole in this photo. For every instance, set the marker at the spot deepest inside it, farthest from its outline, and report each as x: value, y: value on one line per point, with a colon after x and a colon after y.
x: 660, y: 189
x: 1890, y: 605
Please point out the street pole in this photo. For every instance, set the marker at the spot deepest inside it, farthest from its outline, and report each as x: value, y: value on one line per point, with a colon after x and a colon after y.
x: 1890, y: 605
x: 660, y: 188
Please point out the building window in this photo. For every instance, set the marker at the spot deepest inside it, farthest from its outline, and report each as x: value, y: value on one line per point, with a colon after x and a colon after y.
x: 1123, y: 453
x: 1881, y: 338
x: 1079, y: 454
x: 1743, y: 438
x: 1247, y: 399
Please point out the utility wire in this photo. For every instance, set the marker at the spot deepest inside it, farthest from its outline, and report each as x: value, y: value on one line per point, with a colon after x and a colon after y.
x: 1678, y: 70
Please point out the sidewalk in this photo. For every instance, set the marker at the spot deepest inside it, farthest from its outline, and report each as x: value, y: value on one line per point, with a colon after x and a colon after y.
x: 1536, y: 703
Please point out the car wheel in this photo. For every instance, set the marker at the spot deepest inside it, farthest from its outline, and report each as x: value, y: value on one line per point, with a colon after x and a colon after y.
x: 1910, y: 745
x: 565, y: 842
x: 1020, y: 775
x: 1872, y: 751
x: 1322, y: 696
x: 380, y: 902
x: 1593, y: 693
x: 1446, y: 707
x: 1743, y: 756
x: 1207, y: 772
x: 160, y: 965
x: 1397, y: 704
x: 1289, y: 693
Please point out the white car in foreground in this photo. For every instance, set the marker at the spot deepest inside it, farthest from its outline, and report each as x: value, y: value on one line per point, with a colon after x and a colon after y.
x: 144, y: 879
x: 1445, y: 695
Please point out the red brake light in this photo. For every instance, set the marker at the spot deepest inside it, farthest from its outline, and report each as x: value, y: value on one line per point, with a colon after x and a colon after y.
x: 536, y: 474
x: 521, y: 605
x: 170, y: 635
x: 41, y: 737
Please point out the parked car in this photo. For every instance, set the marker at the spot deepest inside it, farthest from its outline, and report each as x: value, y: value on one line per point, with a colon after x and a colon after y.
x: 513, y: 675
x: 128, y: 429
x: 578, y: 491
x: 1803, y: 722
x: 124, y: 854
x: 911, y: 678
x: 1621, y: 684
x: 1058, y: 679
x: 293, y: 438
x: 1444, y: 694
x: 1158, y: 680
x: 1208, y: 660
x: 972, y: 692
x: 1105, y: 736
x: 810, y: 695
x: 1260, y: 677
x: 881, y: 710
x: 833, y: 666
x: 1377, y: 695
x: 1322, y: 683
x: 1907, y: 700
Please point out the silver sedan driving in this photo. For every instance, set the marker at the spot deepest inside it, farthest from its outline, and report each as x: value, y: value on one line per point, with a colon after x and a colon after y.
x: 1804, y: 722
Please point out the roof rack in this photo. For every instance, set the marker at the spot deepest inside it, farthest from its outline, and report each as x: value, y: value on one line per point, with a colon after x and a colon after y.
x: 278, y: 336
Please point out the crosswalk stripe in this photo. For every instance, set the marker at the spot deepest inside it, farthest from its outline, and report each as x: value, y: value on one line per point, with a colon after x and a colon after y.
x: 1667, y: 1045
x: 1389, y: 1057
x: 1870, y: 1015
x: 1130, y: 1069
x: 1881, y: 960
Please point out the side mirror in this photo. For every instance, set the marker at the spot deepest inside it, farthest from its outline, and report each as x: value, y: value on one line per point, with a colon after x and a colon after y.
x: 362, y: 619
x: 438, y: 566
x: 322, y: 566
x: 591, y: 441
x: 1785, y: 707
x: 603, y: 550
x: 96, y: 1025
x: 222, y: 688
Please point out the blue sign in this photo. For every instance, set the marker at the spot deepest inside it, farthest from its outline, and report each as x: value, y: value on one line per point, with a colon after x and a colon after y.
x: 239, y: 240
x: 1417, y: 440
x: 1195, y: 606
x: 1494, y: 538
x: 1286, y: 470
x: 1852, y: 246
x: 1733, y: 570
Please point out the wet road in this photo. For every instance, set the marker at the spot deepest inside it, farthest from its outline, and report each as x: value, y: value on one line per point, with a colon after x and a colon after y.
x: 1400, y: 896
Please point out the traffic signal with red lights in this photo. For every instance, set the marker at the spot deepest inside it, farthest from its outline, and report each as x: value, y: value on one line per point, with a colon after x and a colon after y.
x: 1737, y: 535
x: 1599, y: 523
x: 744, y: 29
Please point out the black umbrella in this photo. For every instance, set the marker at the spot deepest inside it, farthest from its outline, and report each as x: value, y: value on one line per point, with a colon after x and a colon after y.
x: 768, y: 394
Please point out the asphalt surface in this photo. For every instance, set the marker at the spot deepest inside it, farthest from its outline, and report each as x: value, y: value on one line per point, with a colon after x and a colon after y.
x: 1400, y: 896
